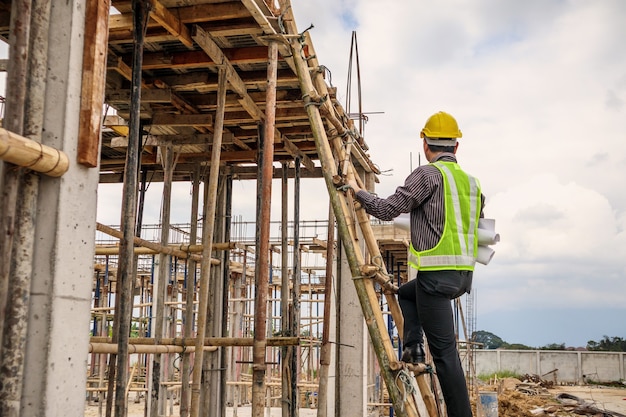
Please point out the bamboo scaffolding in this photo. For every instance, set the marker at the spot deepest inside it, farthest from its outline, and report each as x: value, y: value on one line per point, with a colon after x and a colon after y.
x: 264, y: 197
x: 154, y: 349
x: 152, y: 245
x: 364, y: 287
x: 114, y: 249
x: 207, y: 240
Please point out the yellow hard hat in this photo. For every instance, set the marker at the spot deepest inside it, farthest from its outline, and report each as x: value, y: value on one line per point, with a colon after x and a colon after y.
x: 441, y: 129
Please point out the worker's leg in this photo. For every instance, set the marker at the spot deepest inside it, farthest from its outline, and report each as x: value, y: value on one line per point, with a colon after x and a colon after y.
x: 412, y: 333
x: 434, y: 308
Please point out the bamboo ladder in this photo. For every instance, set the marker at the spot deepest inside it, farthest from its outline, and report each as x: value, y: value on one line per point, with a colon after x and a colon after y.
x: 336, y: 153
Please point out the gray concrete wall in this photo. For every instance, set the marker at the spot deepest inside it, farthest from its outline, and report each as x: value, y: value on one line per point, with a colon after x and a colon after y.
x: 571, y: 366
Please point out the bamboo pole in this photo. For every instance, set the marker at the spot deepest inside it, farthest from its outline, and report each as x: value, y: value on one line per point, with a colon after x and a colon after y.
x: 325, y: 354
x: 158, y: 299
x: 208, y: 341
x: 296, y: 293
x: 152, y: 245
x: 115, y: 249
x: 364, y: 287
x: 264, y: 197
x: 207, y: 240
x: 113, y: 348
x: 129, y: 208
x: 31, y: 154
x: 284, y: 285
x: 191, y: 289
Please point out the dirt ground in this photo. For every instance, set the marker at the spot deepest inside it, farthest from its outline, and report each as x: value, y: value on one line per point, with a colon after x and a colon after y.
x: 584, y: 400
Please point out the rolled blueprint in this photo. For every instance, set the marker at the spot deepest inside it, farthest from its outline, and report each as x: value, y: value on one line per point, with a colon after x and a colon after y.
x: 487, y: 232
x: 484, y: 255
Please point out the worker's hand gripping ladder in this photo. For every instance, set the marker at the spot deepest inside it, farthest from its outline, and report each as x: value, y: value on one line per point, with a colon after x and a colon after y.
x: 334, y: 153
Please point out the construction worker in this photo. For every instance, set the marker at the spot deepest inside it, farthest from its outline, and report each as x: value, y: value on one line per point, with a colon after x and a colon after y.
x: 445, y: 204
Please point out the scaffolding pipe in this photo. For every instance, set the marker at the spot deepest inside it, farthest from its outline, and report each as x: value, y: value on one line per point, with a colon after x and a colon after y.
x: 208, y: 341
x: 264, y: 197
x: 114, y: 250
x: 189, y: 302
x: 296, y: 292
x: 284, y: 285
x: 228, y: 203
x: 158, y: 299
x: 207, y: 240
x: 113, y: 348
x: 118, y: 367
x: 325, y: 354
x: 364, y: 289
x: 157, y: 248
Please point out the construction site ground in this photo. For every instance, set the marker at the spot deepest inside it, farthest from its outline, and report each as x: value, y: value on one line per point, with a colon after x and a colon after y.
x: 511, y: 403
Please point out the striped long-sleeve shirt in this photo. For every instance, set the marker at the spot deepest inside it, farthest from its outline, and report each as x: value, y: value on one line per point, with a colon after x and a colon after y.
x: 422, y: 196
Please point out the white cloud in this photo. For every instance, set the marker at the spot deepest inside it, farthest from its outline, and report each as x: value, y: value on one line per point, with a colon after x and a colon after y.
x: 538, y: 89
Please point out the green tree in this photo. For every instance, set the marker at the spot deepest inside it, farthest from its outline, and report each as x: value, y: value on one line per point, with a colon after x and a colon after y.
x: 515, y: 346
x: 608, y: 344
x: 553, y: 346
x: 488, y: 340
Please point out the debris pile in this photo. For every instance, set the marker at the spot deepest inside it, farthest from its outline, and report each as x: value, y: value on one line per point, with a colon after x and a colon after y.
x: 530, y: 397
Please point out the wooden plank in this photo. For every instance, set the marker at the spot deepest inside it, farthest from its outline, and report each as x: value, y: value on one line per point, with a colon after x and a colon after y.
x: 199, y: 139
x: 153, y: 95
x: 259, y: 12
x: 168, y: 119
x: 93, y: 81
x: 189, y: 14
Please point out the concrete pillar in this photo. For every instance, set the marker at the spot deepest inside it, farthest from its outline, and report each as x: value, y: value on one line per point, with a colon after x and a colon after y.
x: 352, y: 342
x: 58, y: 324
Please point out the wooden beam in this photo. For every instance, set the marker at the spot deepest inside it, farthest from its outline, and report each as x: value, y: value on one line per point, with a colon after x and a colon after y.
x: 294, y: 151
x: 170, y: 22
x: 93, y: 81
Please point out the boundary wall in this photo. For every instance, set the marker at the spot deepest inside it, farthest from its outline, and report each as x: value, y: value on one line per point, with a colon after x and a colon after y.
x: 562, y: 366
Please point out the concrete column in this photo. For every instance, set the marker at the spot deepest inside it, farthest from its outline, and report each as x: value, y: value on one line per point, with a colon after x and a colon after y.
x: 58, y: 324
x: 352, y: 342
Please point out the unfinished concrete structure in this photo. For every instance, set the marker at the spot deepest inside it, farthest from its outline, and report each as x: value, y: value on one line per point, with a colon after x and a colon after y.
x: 204, y: 91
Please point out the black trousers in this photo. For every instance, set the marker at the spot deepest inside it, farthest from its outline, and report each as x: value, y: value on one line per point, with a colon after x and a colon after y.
x: 427, y: 309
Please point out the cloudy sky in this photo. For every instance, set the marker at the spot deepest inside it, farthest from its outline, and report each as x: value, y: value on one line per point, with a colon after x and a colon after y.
x: 539, y: 90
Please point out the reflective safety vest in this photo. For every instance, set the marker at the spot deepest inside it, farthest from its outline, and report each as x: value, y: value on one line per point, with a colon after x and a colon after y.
x: 458, y: 245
